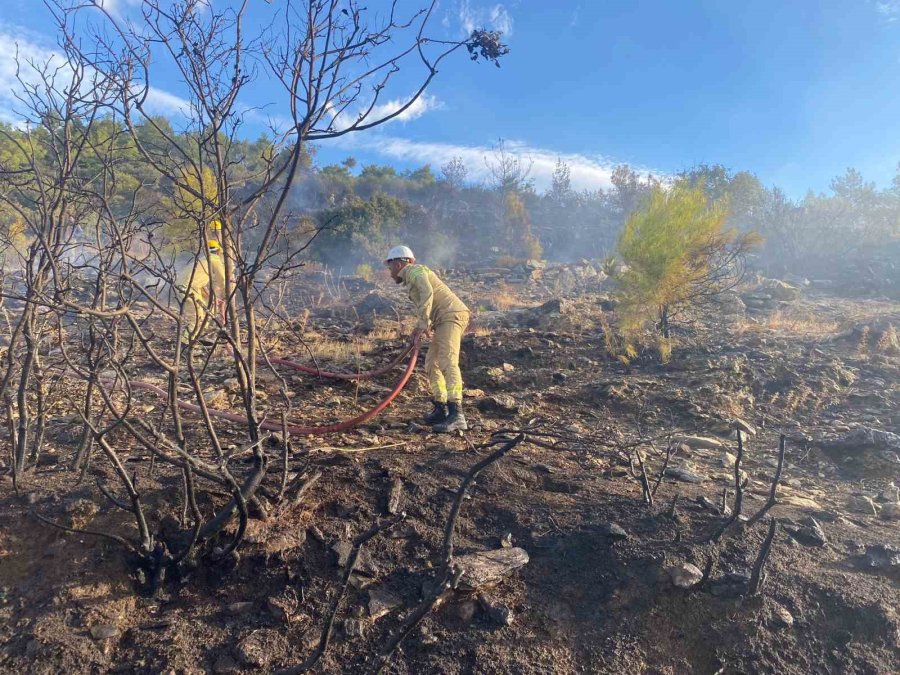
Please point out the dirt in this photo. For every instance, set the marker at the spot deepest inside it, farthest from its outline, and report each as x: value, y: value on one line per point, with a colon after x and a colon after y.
x: 588, y: 599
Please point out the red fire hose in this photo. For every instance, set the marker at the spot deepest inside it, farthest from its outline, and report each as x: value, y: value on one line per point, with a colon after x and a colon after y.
x: 345, y: 376
x: 295, y: 429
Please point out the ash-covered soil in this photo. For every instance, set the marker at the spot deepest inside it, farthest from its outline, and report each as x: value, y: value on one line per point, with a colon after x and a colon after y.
x: 599, y: 591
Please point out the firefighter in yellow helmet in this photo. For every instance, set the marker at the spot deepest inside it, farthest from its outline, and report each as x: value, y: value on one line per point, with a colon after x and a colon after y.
x: 445, y: 317
x: 203, y: 283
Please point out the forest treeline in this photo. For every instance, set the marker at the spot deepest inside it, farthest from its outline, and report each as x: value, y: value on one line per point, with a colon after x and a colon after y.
x: 353, y: 213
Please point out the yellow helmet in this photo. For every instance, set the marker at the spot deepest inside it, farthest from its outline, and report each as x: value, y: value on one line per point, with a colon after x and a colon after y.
x: 214, y: 246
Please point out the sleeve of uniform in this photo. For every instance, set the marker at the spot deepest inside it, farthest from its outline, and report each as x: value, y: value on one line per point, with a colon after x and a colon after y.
x: 422, y: 295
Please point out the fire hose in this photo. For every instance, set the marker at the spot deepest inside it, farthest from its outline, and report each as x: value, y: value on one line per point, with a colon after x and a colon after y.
x: 295, y: 429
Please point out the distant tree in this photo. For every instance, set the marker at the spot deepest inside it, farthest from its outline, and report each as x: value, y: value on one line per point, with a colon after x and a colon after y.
x: 509, y: 171
x: 520, y: 241
x: 561, y: 183
x: 679, y: 256
x: 454, y: 172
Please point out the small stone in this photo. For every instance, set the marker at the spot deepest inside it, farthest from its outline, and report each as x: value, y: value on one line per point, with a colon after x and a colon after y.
x: 743, y: 426
x: 464, y: 611
x: 501, y: 615
x: 480, y: 570
x: 781, y: 617
x: 890, y: 511
x: 706, y: 503
x: 701, y: 442
x: 81, y: 512
x: 862, y: 504
x: 685, y: 575
x: 104, y: 631
x: 508, y: 368
x: 613, y: 531
x: 342, y: 550
x: 730, y: 585
x: 381, y: 602
x: 506, y: 541
x: 225, y: 664
x: 890, y: 494
x: 881, y: 557
x: 499, y: 403
x: 238, y: 608
x: 282, y: 608
x: 252, y: 651
x: 684, y: 474
x: 217, y: 399
x: 810, y: 533
x: 354, y: 628
x: 728, y: 460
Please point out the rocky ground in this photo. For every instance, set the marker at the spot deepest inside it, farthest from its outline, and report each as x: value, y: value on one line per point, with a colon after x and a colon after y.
x: 592, y: 577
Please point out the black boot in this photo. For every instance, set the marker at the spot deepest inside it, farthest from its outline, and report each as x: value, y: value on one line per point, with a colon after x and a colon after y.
x: 438, y: 414
x: 455, y: 421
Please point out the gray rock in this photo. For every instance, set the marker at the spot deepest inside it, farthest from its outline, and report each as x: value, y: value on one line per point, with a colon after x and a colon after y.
x: 375, y: 305
x: 890, y: 494
x: 781, y: 617
x: 684, y: 474
x: 810, y: 533
x: 253, y: 651
x: 499, y: 403
x: 862, y: 504
x: 238, y: 608
x: 381, y: 602
x: 480, y: 570
x: 342, y: 550
x: 464, y: 611
x: 730, y: 585
x: 880, y: 557
x: 80, y: 512
x: 685, y: 575
x: 700, y: 442
x: 780, y: 290
x: 225, y: 664
x: 745, y: 427
x: 104, y: 631
x: 613, y: 531
x: 866, y: 438
x: 354, y: 628
x: 890, y: 511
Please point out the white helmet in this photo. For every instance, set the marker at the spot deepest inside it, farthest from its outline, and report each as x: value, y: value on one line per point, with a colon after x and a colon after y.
x: 400, y: 252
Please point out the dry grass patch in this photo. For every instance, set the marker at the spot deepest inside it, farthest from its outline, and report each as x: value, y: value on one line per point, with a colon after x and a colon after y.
x: 503, y: 298
x: 796, y: 323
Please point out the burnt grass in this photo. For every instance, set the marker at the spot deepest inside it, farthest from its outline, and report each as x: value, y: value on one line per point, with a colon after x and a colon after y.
x: 586, y: 601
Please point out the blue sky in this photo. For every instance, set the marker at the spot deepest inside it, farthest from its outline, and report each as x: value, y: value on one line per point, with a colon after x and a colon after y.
x: 795, y: 92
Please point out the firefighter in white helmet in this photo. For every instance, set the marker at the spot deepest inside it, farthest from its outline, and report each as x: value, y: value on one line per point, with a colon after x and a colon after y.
x: 444, y: 316
x: 203, y: 283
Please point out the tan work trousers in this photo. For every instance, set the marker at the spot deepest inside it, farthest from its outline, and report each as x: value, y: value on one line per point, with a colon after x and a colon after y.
x: 442, y: 361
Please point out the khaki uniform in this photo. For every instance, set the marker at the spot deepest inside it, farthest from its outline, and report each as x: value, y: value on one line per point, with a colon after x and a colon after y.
x: 206, y: 286
x: 445, y: 314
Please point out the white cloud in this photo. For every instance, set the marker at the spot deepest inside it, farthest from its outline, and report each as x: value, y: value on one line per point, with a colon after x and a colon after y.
x: 575, y: 16
x: 161, y: 102
x: 22, y: 49
x: 587, y: 173
x: 495, y: 17
x: 889, y: 10
x: 117, y: 7
x: 30, y: 48
x: 425, y: 103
